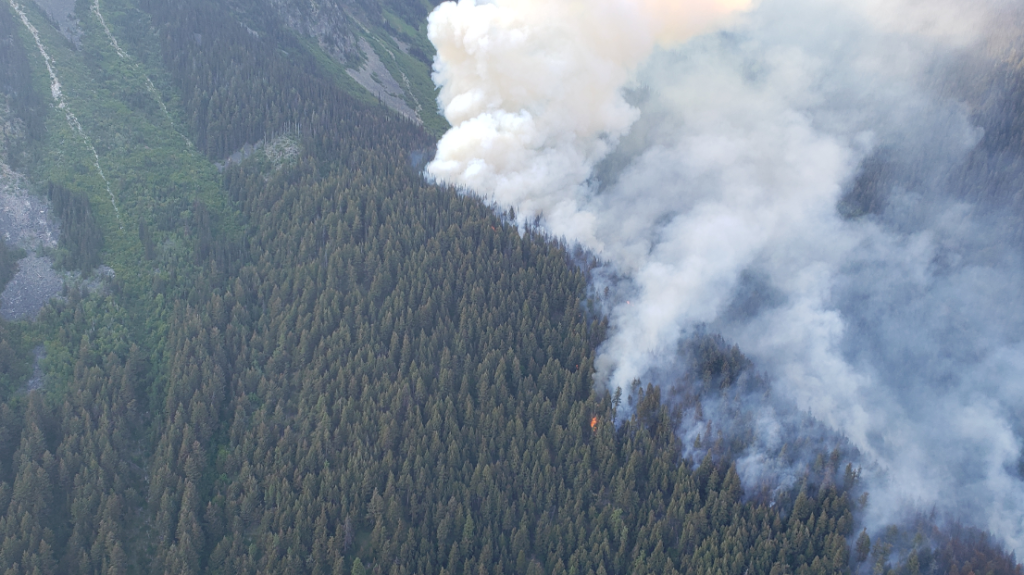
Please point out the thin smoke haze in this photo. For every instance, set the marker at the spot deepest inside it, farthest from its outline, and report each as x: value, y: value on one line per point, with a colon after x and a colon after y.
x: 811, y: 179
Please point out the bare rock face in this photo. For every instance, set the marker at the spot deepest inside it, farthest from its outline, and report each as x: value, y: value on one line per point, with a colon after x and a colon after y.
x: 62, y: 13
x: 328, y: 21
x: 26, y: 223
x: 25, y: 219
x: 336, y: 25
x: 33, y: 285
x: 373, y: 76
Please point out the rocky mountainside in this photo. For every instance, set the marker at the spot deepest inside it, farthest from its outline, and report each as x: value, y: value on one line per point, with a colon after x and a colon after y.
x: 381, y: 45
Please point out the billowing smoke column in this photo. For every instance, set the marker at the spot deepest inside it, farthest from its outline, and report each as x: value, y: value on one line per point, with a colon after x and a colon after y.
x: 532, y: 89
x: 809, y: 178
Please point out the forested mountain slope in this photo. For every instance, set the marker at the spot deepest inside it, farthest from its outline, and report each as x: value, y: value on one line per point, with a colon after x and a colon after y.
x: 316, y: 362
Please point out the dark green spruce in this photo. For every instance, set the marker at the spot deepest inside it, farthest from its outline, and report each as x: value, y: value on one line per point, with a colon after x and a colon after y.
x: 376, y: 375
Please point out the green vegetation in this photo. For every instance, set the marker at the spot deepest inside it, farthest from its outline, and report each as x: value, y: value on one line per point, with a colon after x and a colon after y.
x: 315, y: 362
x: 16, y: 357
x: 335, y: 71
x: 411, y: 70
x: 9, y: 257
x: 17, y: 94
x: 150, y: 173
x: 81, y: 239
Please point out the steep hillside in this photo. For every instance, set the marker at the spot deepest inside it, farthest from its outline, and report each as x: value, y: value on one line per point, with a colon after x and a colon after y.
x: 307, y: 359
x: 381, y: 44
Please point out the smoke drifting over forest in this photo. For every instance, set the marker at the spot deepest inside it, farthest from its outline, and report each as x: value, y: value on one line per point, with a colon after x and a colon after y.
x: 832, y: 185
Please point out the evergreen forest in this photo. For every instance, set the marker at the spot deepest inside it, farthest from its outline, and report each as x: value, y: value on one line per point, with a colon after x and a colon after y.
x: 279, y: 350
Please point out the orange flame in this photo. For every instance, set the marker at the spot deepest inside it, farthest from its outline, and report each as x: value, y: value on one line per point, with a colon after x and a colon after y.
x: 593, y: 422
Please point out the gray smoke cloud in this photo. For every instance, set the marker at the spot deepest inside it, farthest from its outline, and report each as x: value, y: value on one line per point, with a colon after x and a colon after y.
x: 813, y: 181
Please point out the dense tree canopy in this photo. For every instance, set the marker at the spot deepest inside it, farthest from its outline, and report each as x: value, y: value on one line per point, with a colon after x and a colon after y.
x: 383, y: 377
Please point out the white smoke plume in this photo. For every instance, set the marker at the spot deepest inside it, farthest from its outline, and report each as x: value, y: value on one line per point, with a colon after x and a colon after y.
x: 532, y: 89
x: 821, y: 153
